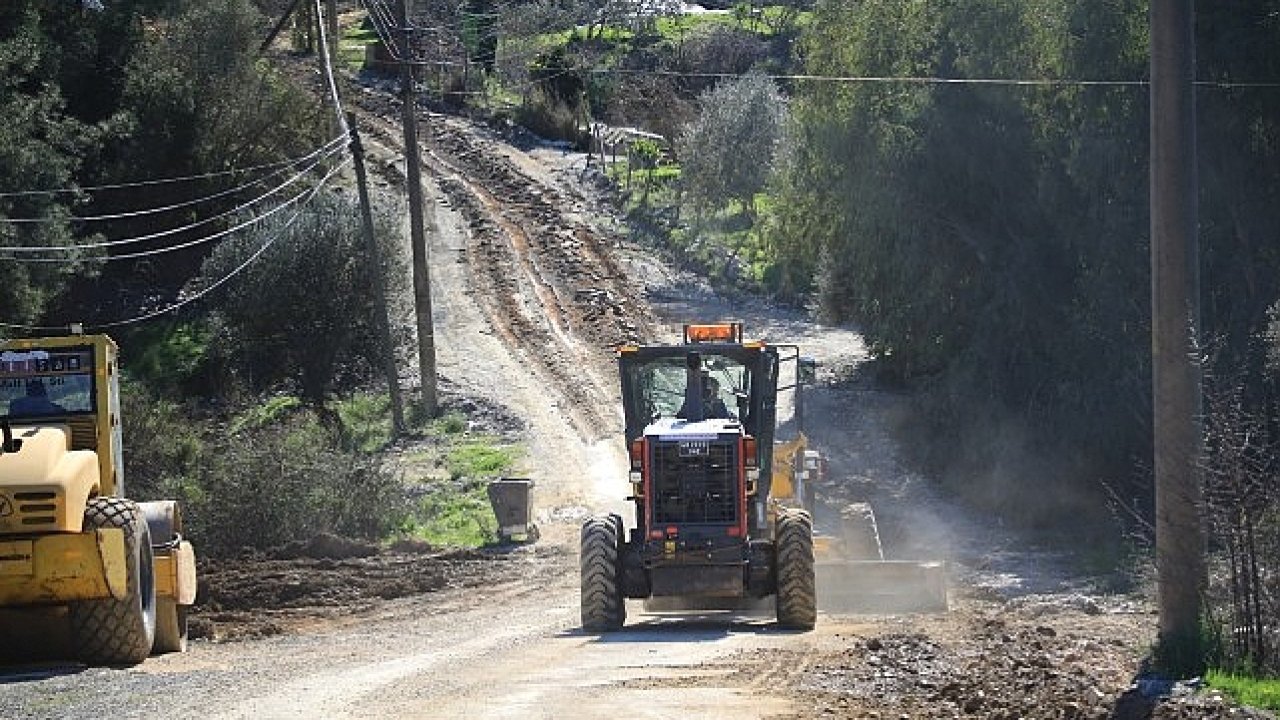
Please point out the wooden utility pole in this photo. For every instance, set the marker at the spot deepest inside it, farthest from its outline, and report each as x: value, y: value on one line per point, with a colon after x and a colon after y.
x: 379, y: 283
x: 417, y: 237
x: 331, y: 18
x: 1175, y: 327
x: 278, y: 27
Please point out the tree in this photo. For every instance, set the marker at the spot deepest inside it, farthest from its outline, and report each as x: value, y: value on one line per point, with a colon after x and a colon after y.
x: 480, y: 32
x: 728, y: 152
x: 42, y: 147
x: 197, y: 100
x: 300, y: 313
x: 987, y: 239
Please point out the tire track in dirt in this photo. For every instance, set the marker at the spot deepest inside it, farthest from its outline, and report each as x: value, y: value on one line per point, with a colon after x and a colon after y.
x: 548, y: 288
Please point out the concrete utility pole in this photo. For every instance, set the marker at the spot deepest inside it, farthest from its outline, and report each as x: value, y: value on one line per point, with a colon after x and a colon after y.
x: 413, y: 178
x: 1175, y: 328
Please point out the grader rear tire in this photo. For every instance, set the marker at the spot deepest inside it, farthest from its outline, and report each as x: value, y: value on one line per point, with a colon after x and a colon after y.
x: 111, y: 631
x: 603, y: 607
x: 797, y: 597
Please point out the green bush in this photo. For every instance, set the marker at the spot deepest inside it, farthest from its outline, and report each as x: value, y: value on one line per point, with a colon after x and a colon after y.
x: 549, y: 117
x: 171, y: 357
x: 366, y: 422
x: 279, y: 476
x: 285, y: 481
x: 163, y: 446
x: 270, y: 411
x: 451, y: 423
x: 302, y: 314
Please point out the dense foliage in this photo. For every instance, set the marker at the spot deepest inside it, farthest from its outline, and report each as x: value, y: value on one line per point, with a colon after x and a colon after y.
x: 300, y: 315
x: 259, y: 482
x: 992, y: 240
x: 727, y: 152
x: 133, y: 95
x: 60, y: 77
x: 112, y: 94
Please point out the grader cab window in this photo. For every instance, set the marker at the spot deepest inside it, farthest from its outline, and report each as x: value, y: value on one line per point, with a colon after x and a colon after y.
x: 45, y: 383
x: 660, y: 383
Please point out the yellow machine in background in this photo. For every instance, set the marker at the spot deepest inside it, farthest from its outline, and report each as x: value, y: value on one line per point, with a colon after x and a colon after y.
x: 852, y: 574
x: 68, y: 536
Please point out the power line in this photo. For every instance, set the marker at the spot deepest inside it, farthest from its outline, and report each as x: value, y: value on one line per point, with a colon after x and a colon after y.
x: 221, y: 281
x: 813, y: 77
x: 169, y: 248
x: 172, y: 231
x: 239, y: 268
x: 930, y: 80
x: 161, y: 209
x: 384, y: 26
x: 164, y: 181
x: 380, y: 18
x: 328, y: 70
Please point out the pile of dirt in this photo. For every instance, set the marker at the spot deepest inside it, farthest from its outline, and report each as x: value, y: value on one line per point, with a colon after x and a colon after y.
x: 324, y: 545
x: 329, y: 579
x: 989, y: 660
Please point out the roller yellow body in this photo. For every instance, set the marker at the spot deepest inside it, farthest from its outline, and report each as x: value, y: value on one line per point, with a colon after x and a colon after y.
x: 67, y: 535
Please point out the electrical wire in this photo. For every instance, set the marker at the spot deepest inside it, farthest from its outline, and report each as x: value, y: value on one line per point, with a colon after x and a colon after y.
x: 205, y: 291
x: 328, y: 70
x: 385, y: 26
x: 382, y: 24
x: 839, y: 79
x: 398, y: 58
x: 168, y: 248
x: 165, y: 181
x: 164, y: 208
x: 926, y: 80
x: 172, y: 231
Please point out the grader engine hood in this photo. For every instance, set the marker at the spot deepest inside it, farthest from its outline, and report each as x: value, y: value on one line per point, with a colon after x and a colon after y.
x: 43, y: 483
x: 694, y: 481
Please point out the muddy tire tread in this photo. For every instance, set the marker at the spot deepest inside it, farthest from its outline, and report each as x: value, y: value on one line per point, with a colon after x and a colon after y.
x: 797, y: 597
x: 603, y: 607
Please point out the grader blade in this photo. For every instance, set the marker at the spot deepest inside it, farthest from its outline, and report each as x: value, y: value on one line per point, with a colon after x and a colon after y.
x: 854, y: 577
x: 881, y: 586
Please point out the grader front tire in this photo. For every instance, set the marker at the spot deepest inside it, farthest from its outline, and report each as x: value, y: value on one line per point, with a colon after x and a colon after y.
x: 797, y: 596
x: 111, y: 631
x: 603, y: 607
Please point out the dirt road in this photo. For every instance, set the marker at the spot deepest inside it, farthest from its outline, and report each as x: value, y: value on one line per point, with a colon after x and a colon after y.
x: 530, y: 292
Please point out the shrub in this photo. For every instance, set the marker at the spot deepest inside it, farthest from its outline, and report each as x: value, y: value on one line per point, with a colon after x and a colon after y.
x: 301, y: 313
x: 279, y: 476
x: 285, y: 481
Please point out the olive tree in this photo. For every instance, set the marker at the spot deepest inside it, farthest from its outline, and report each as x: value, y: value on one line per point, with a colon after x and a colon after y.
x: 301, y: 311
x: 728, y: 152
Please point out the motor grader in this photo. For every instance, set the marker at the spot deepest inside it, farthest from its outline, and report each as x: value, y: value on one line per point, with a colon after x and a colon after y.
x: 713, y: 526
x: 73, y: 549
x: 722, y: 482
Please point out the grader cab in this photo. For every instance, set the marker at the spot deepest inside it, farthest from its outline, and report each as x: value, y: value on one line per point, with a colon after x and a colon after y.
x: 73, y: 549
